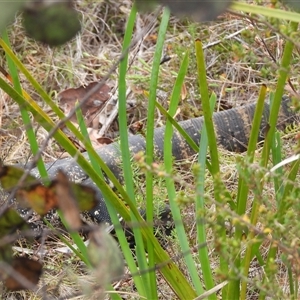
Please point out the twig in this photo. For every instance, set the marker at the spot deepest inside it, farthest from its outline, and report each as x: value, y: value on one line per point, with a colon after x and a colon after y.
x: 212, y: 291
x: 228, y: 37
x: 112, y: 115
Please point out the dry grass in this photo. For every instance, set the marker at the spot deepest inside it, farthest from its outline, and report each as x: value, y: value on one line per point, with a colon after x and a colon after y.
x: 238, y: 57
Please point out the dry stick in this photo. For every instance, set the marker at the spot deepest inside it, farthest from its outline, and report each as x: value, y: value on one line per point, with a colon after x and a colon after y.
x: 212, y: 291
x: 226, y: 37
x: 112, y: 115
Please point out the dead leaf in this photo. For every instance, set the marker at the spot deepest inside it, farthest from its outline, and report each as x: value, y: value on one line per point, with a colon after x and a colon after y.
x: 177, y: 113
x: 44, y: 198
x: 97, y: 140
x: 40, y: 198
x: 66, y: 201
x: 183, y: 92
x: 29, y: 269
x: 91, y: 107
x: 137, y: 127
x: 10, y: 176
x: 104, y: 141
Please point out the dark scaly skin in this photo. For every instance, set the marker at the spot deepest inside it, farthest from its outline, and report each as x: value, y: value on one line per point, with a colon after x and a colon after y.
x: 232, y: 127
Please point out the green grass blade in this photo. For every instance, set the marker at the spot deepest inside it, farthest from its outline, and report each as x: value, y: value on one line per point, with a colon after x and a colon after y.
x: 283, y: 75
x: 243, y: 189
x: 174, y: 123
x: 207, y: 114
x: 25, y: 116
x: 200, y: 206
x: 168, y: 161
x: 148, y: 291
x: 151, y: 110
x: 181, y: 131
x: 150, y: 134
x: 171, y: 273
x: 212, y: 142
x: 266, y: 11
x: 277, y: 158
x: 126, y: 157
